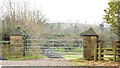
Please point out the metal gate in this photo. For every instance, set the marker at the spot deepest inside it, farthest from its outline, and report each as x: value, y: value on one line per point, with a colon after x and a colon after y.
x: 54, y: 48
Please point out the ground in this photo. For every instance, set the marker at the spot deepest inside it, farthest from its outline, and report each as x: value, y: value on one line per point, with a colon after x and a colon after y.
x: 56, y: 62
x: 36, y: 62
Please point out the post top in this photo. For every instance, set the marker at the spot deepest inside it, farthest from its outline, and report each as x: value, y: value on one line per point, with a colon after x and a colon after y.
x: 90, y: 32
x: 16, y: 32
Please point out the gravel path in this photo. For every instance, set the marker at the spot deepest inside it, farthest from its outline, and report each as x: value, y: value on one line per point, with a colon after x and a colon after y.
x: 36, y: 62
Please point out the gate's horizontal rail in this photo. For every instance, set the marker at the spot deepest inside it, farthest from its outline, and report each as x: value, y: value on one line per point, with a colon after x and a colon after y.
x: 107, y: 53
x: 117, y: 43
x: 106, y: 48
x: 55, y: 39
x: 60, y: 52
x: 107, y: 44
x: 54, y: 43
x: 49, y: 47
x: 117, y: 48
x: 56, y: 50
x: 108, y: 57
x: 109, y: 48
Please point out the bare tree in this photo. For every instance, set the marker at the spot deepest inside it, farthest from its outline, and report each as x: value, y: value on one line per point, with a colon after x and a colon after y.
x: 18, y: 13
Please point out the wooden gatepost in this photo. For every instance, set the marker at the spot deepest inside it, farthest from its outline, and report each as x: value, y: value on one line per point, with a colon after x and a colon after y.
x: 16, y: 43
x: 90, y: 39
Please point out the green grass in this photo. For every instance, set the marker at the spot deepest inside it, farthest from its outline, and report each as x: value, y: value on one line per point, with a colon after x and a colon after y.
x: 72, y: 56
x: 80, y: 59
x: 78, y: 49
x: 30, y: 57
x: 33, y: 57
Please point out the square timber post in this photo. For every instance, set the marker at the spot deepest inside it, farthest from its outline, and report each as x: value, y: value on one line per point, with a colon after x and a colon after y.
x: 16, y: 44
x: 90, y: 39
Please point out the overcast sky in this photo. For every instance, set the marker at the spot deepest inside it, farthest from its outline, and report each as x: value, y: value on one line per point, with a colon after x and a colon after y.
x: 82, y: 11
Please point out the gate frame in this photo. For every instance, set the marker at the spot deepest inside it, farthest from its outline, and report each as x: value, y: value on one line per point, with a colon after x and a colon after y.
x: 53, y: 40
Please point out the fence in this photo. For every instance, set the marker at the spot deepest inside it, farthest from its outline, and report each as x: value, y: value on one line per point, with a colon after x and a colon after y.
x: 111, y: 50
x: 63, y: 47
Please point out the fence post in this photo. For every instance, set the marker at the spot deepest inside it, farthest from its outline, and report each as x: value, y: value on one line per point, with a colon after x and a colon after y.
x: 100, y: 44
x: 114, y: 49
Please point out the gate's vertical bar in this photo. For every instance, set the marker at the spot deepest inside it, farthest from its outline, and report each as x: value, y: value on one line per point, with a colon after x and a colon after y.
x: 25, y: 47
x: 114, y: 49
x: 100, y: 44
x: 25, y: 44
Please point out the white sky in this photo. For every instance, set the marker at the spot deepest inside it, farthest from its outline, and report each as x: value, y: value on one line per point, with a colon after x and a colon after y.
x: 71, y: 10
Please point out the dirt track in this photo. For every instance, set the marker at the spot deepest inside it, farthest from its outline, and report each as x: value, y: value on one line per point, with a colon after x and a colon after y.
x: 36, y: 62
